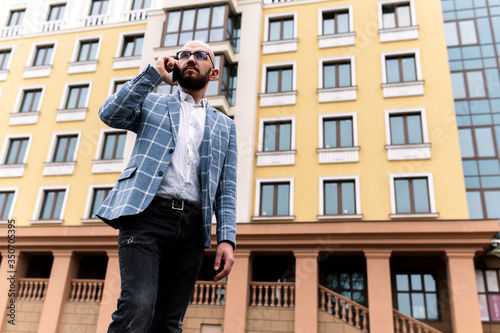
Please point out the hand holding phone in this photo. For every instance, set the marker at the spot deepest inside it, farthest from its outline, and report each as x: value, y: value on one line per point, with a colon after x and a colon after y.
x: 175, y: 74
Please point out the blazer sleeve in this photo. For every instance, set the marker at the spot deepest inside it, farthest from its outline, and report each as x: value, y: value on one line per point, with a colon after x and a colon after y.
x: 123, y: 109
x: 225, y: 198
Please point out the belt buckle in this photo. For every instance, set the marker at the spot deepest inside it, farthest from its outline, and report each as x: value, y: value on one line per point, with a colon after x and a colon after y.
x: 174, y: 201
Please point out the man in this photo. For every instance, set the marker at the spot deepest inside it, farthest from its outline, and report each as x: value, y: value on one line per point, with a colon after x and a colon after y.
x: 182, y: 170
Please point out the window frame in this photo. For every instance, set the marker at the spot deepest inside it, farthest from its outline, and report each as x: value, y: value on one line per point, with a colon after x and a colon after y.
x: 271, y: 17
x: 18, y: 157
x: 100, y: 7
x: 328, y: 10
x: 34, y: 50
x: 264, y: 121
x: 407, y: 111
x: 413, y: 15
x: 486, y: 291
x: 15, y: 191
x: 121, y: 46
x: 5, y: 65
x: 59, y: 6
x: 89, y: 203
x: 7, y: 143
x: 342, y: 115
x: 12, y: 11
x: 402, y: 53
x: 107, y: 134
x: 125, y: 43
x: 66, y: 94
x: 86, y: 40
x: 54, y: 143
x: 431, y: 194
x: 36, y: 219
x: 336, y: 60
x: 357, y: 196
x: 259, y: 183
x: 280, y: 65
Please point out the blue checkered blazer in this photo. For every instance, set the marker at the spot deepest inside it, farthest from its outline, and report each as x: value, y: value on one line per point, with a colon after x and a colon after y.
x: 155, y: 120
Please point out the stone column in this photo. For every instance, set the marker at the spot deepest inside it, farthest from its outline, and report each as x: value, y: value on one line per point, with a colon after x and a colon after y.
x: 306, y: 291
x: 237, y: 293
x: 462, y: 290
x: 64, y: 268
x: 378, y: 272
x: 111, y: 291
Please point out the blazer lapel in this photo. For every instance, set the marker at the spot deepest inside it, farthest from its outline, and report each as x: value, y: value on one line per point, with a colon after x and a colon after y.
x: 174, y: 112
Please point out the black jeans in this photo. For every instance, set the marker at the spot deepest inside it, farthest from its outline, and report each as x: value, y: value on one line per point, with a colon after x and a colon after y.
x: 160, y: 253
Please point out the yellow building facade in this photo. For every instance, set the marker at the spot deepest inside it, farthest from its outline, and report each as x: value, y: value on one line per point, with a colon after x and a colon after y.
x: 352, y: 209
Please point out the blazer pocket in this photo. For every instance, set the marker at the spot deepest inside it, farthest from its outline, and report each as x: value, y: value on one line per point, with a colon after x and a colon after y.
x: 127, y: 173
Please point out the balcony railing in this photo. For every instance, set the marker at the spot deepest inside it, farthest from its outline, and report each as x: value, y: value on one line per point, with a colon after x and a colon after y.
x: 86, y: 290
x: 208, y: 293
x: 344, y: 309
x: 272, y: 294
x: 32, y: 289
x: 406, y: 324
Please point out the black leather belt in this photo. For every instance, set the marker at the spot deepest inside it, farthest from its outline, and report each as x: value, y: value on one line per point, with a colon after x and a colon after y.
x: 177, y: 204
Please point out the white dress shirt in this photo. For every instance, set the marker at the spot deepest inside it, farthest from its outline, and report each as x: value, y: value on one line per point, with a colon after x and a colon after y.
x: 182, y: 178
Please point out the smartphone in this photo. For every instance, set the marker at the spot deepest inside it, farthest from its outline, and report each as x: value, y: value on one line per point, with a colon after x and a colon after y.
x: 175, y: 74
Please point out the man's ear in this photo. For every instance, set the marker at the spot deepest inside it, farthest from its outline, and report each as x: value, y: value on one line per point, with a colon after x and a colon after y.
x: 214, y: 75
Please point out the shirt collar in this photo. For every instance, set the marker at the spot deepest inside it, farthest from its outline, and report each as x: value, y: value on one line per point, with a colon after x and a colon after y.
x: 188, y: 98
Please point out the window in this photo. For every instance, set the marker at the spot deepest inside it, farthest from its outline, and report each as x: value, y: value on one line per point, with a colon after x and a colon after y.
x: 462, y: 32
x: 478, y: 142
x: 469, y: 84
x: 275, y: 199
x: 16, y: 153
x: 406, y: 129
x: 114, y: 144
x: 43, y: 55
x: 338, y: 132
x: 396, y: 15
x: 31, y: 100
x: 279, y: 79
x: 281, y: 29
x: 350, y: 284
x: 77, y: 97
x: 401, y: 69
x: 335, y: 22
x: 99, y: 7
x: 119, y: 84
x: 417, y: 295
x: 225, y: 84
x: 88, y: 50
x: 207, y: 24
x: 337, y: 74
x: 412, y: 195
x: 141, y: 4
x: 56, y: 12
x: 488, y: 289
x: 132, y: 46
x: 340, y: 198
x: 98, y: 196
x: 52, y: 204
x: 65, y: 148
x: 277, y: 136
x: 6, y: 200
x: 16, y: 17
x: 4, y: 59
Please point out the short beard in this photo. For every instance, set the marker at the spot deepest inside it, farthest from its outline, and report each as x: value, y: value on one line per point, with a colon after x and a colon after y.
x: 194, y: 83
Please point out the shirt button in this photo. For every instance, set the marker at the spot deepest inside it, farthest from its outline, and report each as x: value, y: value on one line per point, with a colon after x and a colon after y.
x: 170, y: 151
x: 160, y: 173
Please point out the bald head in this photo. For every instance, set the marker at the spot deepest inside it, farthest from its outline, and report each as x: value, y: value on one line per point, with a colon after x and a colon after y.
x: 197, y: 45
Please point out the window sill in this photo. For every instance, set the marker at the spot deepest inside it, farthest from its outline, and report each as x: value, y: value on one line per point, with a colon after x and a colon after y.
x: 413, y: 88
x: 406, y: 216
x: 107, y: 166
x: 37, y: 71
x: 46, y: 221
x: 337, y: 94
x: 91, y: 220
x: 340, y: 217
x: 265, y: 218
x: 71, y: 114
x: 277, y: 99
x: 24, y: 118
x: 336, y: 40
x: 273, y: 158
x: 3, y: 74
x: 12, y: 170
x: 126, y: 62
x: 58, y: 168
x: 396, y: 34
x: 338, y: 155
x: 279, y: 46
x: 408, y: 152
x: 82, y: 67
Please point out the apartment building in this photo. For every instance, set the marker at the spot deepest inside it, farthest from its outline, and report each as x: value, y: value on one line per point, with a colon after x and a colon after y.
x: 354, y: 211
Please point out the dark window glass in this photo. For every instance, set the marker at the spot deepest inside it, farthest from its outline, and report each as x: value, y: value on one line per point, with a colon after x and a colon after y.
x: 17, y: 151
x: 417, y: 295
x: 335, y: 22
x: 279, y: 80
x: 132, y: 46
x: 65, y: 148
x: 114, y: 144
x: 52, y: 205
x: 43, y: 55
x: 275, y: 199
x: 406, y: 129
x: 4, y: 59
x: 277, y: 136
x: 6, y: 199
x: 351, y: 285
x: 412, y: 195
x: 31, y: 101
x: 77, y: 97
x: 88, y: 51
x: 340, y: 198
x: 396, y: 16
x: 337, y: 133
x: 56, y: 12
x: 16, y: 17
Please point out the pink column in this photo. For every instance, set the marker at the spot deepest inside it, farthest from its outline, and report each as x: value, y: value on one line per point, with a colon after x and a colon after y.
x: 462, y: 290
x: 306, y: 291
x: 378, y: 272
x: 111, y: 291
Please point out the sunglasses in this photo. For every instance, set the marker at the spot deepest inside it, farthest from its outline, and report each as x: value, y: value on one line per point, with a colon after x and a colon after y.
x: 198, y: 55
